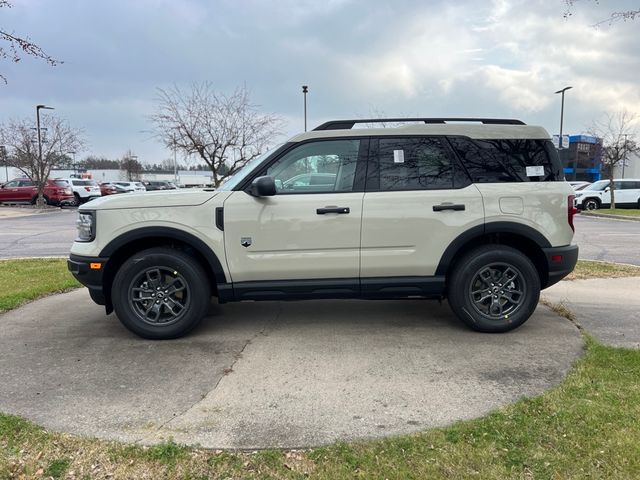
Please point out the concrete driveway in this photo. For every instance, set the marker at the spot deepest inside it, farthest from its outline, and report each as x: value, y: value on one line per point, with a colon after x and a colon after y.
x: 271, y: 374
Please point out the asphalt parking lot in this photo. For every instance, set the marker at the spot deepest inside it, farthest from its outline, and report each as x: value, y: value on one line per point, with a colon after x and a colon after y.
x: 271, y: 374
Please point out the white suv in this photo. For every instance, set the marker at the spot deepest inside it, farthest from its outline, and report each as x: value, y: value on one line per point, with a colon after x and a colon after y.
x: 84, y: 190
x: 598, y: 194
x: 473, y: 210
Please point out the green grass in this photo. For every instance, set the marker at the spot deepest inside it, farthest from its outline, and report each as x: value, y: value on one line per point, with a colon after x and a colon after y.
x: 591, y: 269
x: 624, y: 212
x: 587, y: 427
x: 24, y: 280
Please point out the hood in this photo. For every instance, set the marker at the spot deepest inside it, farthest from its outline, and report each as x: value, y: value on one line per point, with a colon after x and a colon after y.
x: 153, y: 199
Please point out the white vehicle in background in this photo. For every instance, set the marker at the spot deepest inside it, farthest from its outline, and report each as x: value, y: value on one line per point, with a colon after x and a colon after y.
x: 124, y: 187
x: 83, y: 189
x: 598, y: 194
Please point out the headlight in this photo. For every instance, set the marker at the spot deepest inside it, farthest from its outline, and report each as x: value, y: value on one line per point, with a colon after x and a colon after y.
x: 86, y: 225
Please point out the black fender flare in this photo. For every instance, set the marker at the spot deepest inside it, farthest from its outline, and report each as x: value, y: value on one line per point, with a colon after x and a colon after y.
x: 488, y: 228
x: 167, y: 232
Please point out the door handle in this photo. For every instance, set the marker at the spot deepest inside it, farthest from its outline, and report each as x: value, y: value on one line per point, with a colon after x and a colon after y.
x: 322, y: 211
x: 448, y: 206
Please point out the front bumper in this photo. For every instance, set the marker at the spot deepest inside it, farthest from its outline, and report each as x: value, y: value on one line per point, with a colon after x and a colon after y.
x: 560, y: 262
x: 86, y: 271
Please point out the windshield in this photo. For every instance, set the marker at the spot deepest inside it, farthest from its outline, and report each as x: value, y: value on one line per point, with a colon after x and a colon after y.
x: 231, y: 182
x: 599, y: 186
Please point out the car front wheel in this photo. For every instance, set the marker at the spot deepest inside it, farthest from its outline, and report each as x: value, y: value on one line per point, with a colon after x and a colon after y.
x: 591, y: 204
x: 494, y: 288
x: 160, y: 293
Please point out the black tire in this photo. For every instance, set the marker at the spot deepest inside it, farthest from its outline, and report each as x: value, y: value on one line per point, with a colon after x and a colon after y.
x: 47, y: 201
x: 76, y: 199
x: 479, y: 273
x: 139, y: 295
x: 591, y: 204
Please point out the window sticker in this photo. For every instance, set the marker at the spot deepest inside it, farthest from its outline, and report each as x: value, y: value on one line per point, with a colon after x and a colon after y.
x: 398, y: 156
x: 535, y: 171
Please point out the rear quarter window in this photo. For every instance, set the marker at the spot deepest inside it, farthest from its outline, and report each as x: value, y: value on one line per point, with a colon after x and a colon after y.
x: 508, y: 160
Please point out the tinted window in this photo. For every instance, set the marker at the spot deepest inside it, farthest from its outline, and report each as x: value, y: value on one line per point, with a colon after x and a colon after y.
x: 83, y: 183
x: 61, y: 183
x: 419, y: 163
x: 513, y: 160
x: 627, y: 185
x: 12, y: 184
x: 26, y: 183
x: 324, y: 166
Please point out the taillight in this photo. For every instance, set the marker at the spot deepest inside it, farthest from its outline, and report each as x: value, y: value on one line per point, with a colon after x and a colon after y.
x: 88, y: 189
x: 571, y: 211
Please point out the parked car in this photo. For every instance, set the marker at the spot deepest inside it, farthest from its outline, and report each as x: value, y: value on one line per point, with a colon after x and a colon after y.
x: 310, y: 181
x: 108, y: 188
x: 476, y: 212
x: 23, y: 190
x: 598, y: 194
x: 84, y: 190
x: 159, y: 185
x: 126, y: 187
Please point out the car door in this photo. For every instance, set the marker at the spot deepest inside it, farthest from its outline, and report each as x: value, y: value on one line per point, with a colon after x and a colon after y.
x: 417, y: 200
x: 9, y: 192
x: 26, y: 190
x: 309, y: 230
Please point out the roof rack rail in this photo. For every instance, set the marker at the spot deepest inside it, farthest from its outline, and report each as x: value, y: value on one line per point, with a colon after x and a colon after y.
x: 348, y: 124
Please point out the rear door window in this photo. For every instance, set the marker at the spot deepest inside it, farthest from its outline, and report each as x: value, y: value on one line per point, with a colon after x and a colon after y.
x: 508, y: 160
x: 413, y: 163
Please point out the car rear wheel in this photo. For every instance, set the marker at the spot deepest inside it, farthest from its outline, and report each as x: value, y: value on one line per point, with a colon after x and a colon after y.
x: 494, y: 288
x: 160, y: 293
x: 76, y: 199
x: 591, y: 204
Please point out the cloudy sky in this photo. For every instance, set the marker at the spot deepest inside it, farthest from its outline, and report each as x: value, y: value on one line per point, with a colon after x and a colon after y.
x: 501, y: 58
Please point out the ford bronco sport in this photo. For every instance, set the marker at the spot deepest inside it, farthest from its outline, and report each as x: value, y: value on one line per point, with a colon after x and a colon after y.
x: 472, y: 210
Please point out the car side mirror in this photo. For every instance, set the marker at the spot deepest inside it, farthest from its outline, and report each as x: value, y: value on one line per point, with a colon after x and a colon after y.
x: 607, y: 189
x: 263, y: 187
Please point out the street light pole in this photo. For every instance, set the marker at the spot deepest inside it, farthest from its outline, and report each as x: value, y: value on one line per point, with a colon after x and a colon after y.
x: 562, y: 113
x: 3, y: 153
x: 624, y: 160
x: 38, y: 107
x: 305, y: 90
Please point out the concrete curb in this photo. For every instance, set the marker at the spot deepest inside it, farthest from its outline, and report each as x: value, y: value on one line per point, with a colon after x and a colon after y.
x: 18, y: 212
x: 615, y: 217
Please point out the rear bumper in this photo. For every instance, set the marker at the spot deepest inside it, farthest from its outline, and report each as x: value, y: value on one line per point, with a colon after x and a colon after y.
x: 92, y: 278
x: 560, y: 261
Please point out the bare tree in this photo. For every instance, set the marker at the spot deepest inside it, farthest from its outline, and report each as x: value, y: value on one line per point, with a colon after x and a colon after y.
x: 131, y: 165
x: 20, y: 139
x: 13, y: 47
x: 225, y: 131
x: 617, y: 135
x: 614, y: 16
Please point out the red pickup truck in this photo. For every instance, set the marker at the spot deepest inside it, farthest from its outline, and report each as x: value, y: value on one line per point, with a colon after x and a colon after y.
x: 56, y: 192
